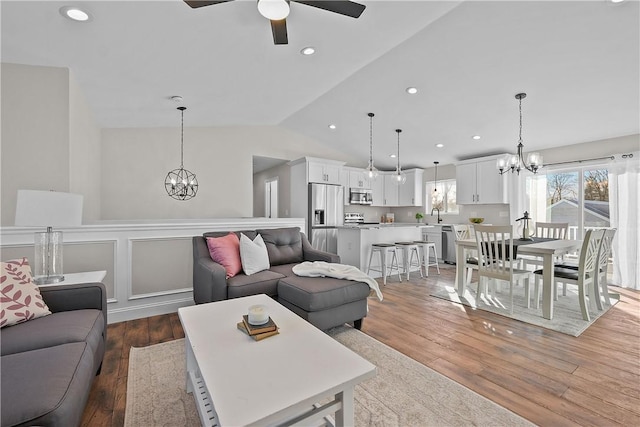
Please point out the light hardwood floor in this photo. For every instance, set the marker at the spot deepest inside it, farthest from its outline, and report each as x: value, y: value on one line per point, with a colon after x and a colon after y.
x: 545, y: 376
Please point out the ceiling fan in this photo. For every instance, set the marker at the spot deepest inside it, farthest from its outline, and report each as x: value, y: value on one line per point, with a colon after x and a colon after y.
x: 278, y: 10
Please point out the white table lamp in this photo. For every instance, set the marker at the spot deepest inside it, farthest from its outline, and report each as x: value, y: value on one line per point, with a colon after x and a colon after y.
x: 48, y: 209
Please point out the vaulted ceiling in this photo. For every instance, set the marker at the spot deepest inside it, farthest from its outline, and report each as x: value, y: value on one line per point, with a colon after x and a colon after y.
x: 578, y: 62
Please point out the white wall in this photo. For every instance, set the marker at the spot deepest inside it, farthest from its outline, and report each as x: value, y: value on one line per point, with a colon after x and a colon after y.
x: 35, y: 132
x: 84, y: 153
x: 136, y: 161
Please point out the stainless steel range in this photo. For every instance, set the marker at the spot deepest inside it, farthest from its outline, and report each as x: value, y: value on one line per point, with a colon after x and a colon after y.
x: 351, y: 218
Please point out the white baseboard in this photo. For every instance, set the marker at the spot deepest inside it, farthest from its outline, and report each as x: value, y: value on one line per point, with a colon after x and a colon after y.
x: 146, y: 310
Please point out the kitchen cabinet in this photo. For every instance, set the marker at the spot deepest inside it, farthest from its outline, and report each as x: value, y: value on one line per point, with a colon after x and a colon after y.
x: 411, y: 193
x: 358, y: 178
x: 377, y: 190
x: 478, y: 182
x: 344, y: 181
x: 434, y: 234
x: 390, y: 190
x: 323, y: 172
x: 407, y: 194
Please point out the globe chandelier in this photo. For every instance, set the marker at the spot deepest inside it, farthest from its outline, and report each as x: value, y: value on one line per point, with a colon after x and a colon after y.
x: 181, y: 184
x: 516, y: 162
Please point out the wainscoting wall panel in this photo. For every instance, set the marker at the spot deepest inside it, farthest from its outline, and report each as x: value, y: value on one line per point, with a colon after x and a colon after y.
x: 148, y: 264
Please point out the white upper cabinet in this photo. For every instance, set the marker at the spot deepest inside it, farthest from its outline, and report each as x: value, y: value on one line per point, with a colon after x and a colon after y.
x: 323, y: 171
x: 410, y: 193
x: 358, y: 178
x: 478, y: 182
x: 377, y: 190
x: 390, y: 190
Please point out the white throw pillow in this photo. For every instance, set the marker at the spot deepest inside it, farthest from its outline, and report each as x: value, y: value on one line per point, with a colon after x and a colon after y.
x: 253, y: 254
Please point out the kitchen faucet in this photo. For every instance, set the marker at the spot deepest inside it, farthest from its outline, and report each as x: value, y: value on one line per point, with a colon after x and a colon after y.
x: 437, y: 209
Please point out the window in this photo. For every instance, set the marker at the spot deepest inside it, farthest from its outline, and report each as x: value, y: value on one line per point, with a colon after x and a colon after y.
x: 444, y: 198
x: 579, y: 196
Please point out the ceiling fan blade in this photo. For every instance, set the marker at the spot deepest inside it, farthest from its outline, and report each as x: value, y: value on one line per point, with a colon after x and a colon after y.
x: 279, y: 30
x: 199, y: 3
x: 343, y: 7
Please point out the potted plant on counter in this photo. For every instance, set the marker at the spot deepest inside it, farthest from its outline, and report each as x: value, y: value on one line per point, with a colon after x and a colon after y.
x: 419, y: 216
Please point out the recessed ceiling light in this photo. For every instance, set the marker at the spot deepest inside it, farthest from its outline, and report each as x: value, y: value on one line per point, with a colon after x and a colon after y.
x: 393, y: 156
x: 332, y: 127
x: 616, y: 1
x: 476, y: 136
x: 439, y: 145
x: 75, y: 13
x: 412, y: 90
x: 309, y: 50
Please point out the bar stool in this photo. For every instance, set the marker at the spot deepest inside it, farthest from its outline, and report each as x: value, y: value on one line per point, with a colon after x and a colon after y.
x: 385, y: 249
x: 425, y: 245
x: 409, y: 249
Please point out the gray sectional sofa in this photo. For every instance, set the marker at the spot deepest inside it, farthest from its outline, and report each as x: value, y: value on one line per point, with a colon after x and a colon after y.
x: 323, y: 301
x: 48, y: 364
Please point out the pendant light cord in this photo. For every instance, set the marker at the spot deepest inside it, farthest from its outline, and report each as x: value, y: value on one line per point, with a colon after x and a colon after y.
x: 182, y: 138
x: 398, y: 167
x: 520, y: 136
x: 371, y: 140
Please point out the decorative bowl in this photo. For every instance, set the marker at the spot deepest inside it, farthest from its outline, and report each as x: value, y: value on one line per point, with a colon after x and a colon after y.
x: 476, y: 220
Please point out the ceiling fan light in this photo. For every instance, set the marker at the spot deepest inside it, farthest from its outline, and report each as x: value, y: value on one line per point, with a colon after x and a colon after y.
x: 274, y: 10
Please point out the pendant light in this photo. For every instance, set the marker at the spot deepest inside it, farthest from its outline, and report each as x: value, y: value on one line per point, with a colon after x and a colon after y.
x: 399, y: 177
x: 435, y: 181
x: 516, y: 161
x: 371, y: 170
x: 181, y: 184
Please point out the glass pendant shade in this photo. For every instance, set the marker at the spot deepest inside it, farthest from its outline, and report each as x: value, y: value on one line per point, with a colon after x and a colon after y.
x: 399, y: 177
x: 372, y: 172
x: 181, y: 183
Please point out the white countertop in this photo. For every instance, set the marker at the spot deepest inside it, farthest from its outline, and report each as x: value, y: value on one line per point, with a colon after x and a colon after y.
x: 387, y: 225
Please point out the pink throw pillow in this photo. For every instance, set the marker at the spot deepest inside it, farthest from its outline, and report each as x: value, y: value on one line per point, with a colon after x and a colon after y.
x: 226, y: 252
x: 20, y: 298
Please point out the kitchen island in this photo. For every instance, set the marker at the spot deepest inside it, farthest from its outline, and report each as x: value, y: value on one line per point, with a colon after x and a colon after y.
x: 354, y: 242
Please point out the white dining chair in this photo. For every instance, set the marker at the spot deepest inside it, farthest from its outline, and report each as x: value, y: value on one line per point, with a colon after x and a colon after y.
x: 463, y: 232
x: 584, y: 277
x: 601, y: 286
x: 547, y: 230
x: 495, y: 253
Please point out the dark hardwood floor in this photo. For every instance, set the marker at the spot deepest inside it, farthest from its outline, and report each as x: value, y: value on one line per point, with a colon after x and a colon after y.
x: 545, y: 376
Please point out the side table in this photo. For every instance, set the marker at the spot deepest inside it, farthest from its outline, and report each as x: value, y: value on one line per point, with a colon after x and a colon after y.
x: 84, y: 277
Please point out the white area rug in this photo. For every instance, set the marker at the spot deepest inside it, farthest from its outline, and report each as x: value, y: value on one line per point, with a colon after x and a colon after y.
x: 567, y: 317
x: 403, y: 393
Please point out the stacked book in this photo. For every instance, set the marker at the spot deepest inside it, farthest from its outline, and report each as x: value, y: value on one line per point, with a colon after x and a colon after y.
x: 258, y: 332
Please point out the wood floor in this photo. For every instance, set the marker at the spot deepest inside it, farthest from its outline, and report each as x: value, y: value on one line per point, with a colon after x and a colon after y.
x: 549, y: 378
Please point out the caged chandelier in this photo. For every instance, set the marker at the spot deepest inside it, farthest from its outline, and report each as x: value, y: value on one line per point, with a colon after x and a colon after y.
x: 516, y: 162
x: 371, y: 170
x: 181, y: 184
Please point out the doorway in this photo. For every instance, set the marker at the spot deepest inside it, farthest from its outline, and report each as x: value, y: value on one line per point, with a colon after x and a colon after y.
x: 271, y: 198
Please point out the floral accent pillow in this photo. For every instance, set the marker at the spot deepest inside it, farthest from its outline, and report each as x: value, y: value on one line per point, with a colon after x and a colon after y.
x: 20, y: 298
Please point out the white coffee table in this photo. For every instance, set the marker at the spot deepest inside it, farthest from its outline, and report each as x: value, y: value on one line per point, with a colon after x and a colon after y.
x: 278, y: 379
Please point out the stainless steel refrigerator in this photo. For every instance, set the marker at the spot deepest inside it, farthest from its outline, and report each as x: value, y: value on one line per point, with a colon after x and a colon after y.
x: 326, y: 213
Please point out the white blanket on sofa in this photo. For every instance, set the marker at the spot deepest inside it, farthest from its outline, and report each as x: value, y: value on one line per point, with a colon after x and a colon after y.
x: 338, y: 271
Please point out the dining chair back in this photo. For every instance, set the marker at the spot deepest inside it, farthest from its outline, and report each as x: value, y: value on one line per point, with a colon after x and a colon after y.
x: 584, y: 277
x: 604, y: 253
x: 496, y: 261
x: 552, y: 230
x: 463, y: 232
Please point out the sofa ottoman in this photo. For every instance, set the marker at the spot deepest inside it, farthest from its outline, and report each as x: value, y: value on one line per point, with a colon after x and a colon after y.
x: 321, y: 300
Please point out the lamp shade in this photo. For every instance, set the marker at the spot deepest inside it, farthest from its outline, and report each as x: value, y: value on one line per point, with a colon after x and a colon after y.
x: 36, y: 208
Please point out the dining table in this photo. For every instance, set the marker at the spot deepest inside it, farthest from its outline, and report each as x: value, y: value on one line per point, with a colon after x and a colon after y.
x: 547, y: 250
